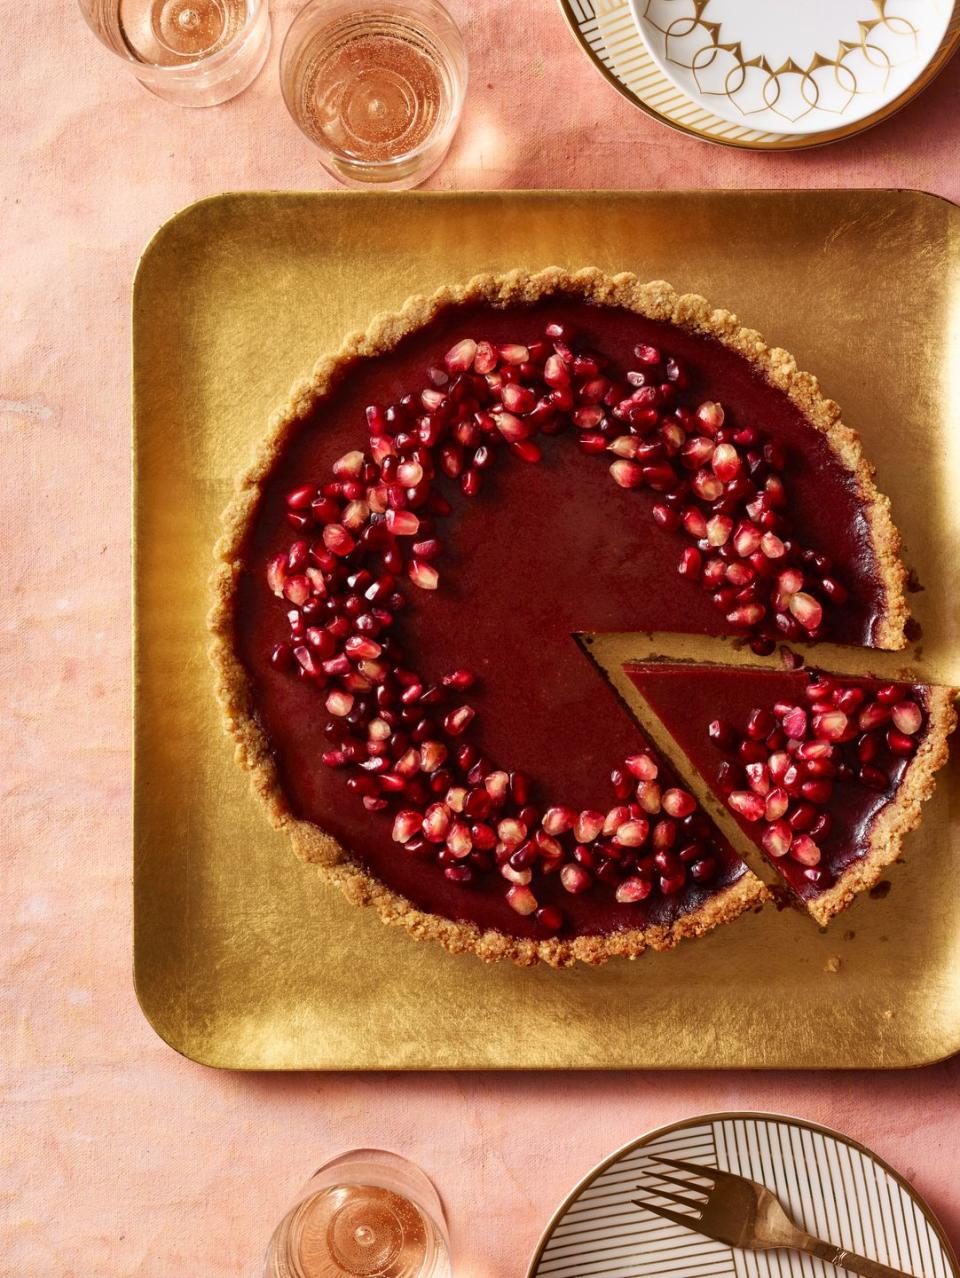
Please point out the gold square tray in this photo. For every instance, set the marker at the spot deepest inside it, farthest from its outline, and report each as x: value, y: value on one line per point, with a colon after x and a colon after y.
x: 243, y: 958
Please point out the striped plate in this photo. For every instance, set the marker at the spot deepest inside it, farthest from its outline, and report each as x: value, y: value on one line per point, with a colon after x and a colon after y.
x: 831, y: 1186
x: 610, y: 37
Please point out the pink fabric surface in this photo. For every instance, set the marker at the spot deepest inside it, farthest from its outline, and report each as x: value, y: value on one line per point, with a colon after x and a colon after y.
x: 119, y: 1157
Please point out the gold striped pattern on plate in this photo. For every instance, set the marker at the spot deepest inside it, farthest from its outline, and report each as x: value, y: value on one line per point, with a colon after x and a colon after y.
x: 609, y: 34
x: 831, y: 1186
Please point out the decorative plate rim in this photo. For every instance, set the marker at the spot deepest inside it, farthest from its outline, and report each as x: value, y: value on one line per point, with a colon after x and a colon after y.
x: 790, y: 1120
x: 787, y: 142
x: 797, y: 127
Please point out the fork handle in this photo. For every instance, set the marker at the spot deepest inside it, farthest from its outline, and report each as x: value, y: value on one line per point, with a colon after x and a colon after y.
x: 844, y: 1259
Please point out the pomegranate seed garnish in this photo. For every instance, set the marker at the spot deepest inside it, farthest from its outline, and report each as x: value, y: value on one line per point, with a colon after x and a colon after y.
x: 558, y: 820
x: 521, y: 899
x: 690, y: 563
x: 459, y: 840
x: 678, y: 803
x: 707, y: 486
x: 747, y: 615
x: 457, y: 721
x: 459, y: 357
x: 772, y: 546
x: 627, y: 474
x: 777, y: 838
x: 710, y: 416
x: 513, y: 353
x: 642, y: 766
x: 777, y: 803
x: 297, y: 590
x: 485, y: 359
x: 633, y: 833
x: 749, y: 805
x: 632, y: 890
x: 873, y: 778
x: 575, y: 878
x: 873, y: 716
x: 338, y: 540
x: 588, y: 826
x: 830, y: 726
x: 900, y: 744
x: 402, y: 523
x: 649, y: 797
x: 349, y: 465
x: 758, y: 779
x: 277, y: 574
x: 804, y: 850
x: 719, y: 529
x: 406, y: 825
x: 526, y: 450
x: 423, y: 574
x: 339, y: 703
x: 907, y: 717
x: 300, y: 498
x: 806, y: 609
x: 514, y: 875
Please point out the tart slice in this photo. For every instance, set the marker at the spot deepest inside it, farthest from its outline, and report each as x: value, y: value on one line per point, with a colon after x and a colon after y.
x: 825, y: 773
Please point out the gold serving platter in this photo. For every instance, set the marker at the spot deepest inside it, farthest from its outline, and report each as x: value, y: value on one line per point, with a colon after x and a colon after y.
x: 243, y: 959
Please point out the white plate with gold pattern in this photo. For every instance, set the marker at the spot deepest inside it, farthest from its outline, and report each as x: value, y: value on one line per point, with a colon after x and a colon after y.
x: 805, y: 66
x: 830, y: 1185
x: 608, y: 32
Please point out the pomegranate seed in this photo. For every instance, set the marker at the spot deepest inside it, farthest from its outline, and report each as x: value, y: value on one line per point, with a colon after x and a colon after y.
x: 678, y: 803
x: 873, y: 716
x: 460, y: 356
x: 632, y: 890
x: 576, y: 879
x: 350, y: 465
x: 772, y: 546
x: 726, y: 463
x: 632, y: 834
x: 300, y: 498
x: 900, y: 744
x: 889, y: 694
x: 588, y: 826
x: 521, y: 899
x: 795, y: 723
x: 719, y: 529
x: 338, y: 540
x: 459, y: 680
x: 695, y: 522
x: 777, y: 838
x: 642, y: 767
x: 907, y: 717
x: 690, y: 563
x: 710, y: 415
x: 777, y: 803
x: 339, y: 703
x: 457, y: 721
x: 511, y: 832
x: 406, y: 825
x: 758, y: 778
x: 802, y: 816
x: 627, y: 474
x: 746, y: 540
x: 497, y: 784
x: 649, y: 797
x: 707, y: 486
x: 527, y: 451
x: 402, y: 523
x: 559, y: 820
x: 514, y: 353
x: 804, y: 850
x: 459, y: 840
x: 747, y: 804
x: 806, y: 609
x: 277, y: 574
x: 297, y: 590
x: 818, y: 791
x: 831, y: 726
x: 423, y: 574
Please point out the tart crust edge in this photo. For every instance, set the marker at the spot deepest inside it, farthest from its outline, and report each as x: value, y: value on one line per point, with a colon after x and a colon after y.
x: 894, y: 821
x: 655, y: 300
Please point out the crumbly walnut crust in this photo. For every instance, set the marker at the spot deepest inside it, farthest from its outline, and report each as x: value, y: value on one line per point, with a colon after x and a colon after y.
x: 656, y: 300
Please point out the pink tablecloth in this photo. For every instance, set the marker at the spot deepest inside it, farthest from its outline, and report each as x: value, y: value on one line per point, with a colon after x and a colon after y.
x: 120, y: 1158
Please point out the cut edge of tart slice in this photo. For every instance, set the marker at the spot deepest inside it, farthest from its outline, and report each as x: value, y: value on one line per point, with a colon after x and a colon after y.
x: 849, y: 731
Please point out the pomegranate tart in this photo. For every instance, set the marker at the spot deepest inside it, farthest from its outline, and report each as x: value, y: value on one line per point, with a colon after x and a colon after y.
x: 825, y: 773
x: 449, y: 499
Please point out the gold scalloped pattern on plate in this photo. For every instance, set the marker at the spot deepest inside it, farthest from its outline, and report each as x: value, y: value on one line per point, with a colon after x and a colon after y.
x: 806, y: 67
x: 608, y: 32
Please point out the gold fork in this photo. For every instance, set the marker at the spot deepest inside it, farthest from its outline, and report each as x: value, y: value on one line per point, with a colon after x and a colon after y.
x: 742, y: 1213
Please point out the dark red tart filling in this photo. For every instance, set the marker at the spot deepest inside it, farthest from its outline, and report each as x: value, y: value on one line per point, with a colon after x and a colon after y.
x: 805, y: 762
x: 425, y: 547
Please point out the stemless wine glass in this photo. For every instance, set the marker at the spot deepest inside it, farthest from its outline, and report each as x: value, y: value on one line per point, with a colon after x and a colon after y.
x: 378, y: 85
x: 366, y: 1214
x: 191, y: 52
